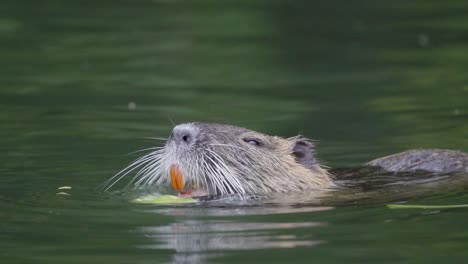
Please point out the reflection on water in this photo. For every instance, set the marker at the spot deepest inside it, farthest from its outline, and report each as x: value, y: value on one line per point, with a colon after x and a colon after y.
x: 212, y: 209
x: 198, y: 240
x: 200, y: 236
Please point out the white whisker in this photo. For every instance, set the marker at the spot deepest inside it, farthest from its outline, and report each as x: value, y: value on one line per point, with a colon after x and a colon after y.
x: 145, y: 149
x: 228, y: 175
x: 134, y: 165
x: 145, y: 171
x: 213, y: 177
x: 156, y: 138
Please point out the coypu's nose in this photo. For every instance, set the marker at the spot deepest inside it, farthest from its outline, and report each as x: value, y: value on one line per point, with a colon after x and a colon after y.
x: 182, y: 134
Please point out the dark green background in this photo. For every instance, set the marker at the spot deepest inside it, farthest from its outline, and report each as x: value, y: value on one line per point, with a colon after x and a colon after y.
x: 364, y: 78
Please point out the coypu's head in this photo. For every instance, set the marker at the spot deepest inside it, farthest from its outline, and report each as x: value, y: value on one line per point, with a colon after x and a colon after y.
x: 212, y: 159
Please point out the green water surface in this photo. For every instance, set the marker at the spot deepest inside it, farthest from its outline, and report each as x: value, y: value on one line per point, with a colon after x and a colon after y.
x: 83, y: 83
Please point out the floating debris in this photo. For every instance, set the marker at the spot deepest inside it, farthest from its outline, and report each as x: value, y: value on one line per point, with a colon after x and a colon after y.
x: 419, y: 206
x: 131, y: 106
x: 423, y: 40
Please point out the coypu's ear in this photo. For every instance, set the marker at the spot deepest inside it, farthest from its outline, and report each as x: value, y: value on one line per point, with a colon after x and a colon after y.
x: 303, y: 152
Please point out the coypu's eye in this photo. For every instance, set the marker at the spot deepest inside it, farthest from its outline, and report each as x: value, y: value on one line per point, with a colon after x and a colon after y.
x: 253, y: 141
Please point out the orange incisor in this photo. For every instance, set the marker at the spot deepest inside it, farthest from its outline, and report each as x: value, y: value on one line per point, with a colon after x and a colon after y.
x: 177, y: 180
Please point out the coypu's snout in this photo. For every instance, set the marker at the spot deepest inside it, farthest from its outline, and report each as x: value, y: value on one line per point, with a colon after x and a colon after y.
x: 183, y: 135
x: 180, y: 144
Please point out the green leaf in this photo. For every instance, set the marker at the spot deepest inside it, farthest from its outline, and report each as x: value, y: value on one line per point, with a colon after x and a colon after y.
x: 162, y: 199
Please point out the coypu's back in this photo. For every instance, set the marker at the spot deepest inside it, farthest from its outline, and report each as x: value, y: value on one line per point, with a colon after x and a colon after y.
x: 432, y: 160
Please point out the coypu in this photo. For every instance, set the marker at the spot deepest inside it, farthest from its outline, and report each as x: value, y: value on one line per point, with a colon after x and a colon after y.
x: 202, y: 159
